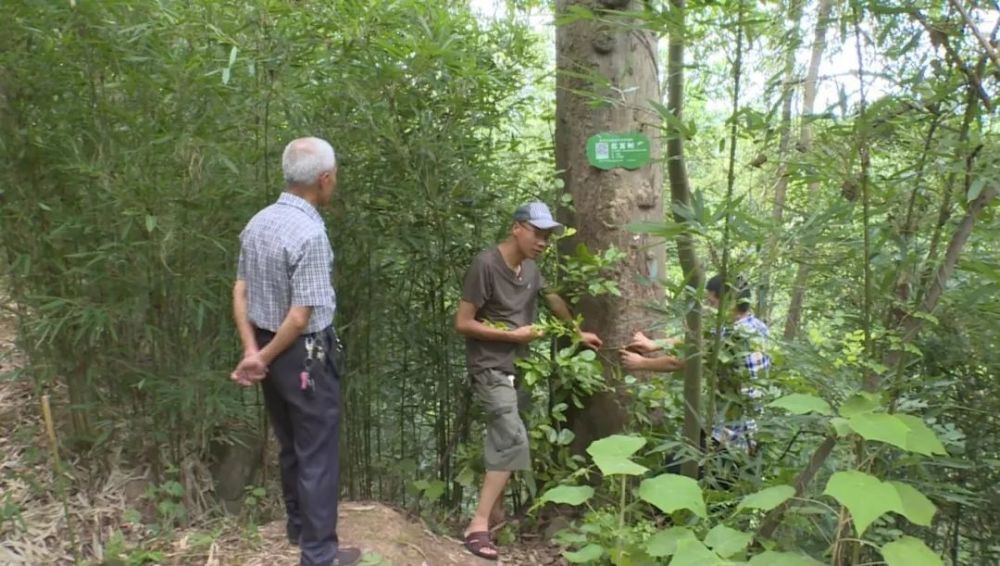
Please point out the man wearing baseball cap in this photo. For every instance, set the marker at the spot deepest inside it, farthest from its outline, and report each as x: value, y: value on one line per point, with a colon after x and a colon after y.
x: 496, y: 316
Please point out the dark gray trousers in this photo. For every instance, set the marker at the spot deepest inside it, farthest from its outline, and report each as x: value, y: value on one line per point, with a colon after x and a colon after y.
x: 307, y: 425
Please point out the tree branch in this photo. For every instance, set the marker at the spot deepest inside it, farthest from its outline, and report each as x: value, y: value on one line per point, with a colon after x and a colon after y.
x: 936, y: 36
x: 982, y: 39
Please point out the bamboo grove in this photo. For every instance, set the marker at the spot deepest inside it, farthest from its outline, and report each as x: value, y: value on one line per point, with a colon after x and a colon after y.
x: 842, y: 155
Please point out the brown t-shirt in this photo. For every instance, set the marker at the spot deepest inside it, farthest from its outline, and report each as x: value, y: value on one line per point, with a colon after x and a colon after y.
x: 503, y: 298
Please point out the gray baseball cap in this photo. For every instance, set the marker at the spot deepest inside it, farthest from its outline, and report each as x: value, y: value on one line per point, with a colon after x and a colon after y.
x: 537, y: 214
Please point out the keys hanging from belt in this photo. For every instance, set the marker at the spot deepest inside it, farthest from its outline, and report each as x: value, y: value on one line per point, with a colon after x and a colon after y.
x: 314, y: 353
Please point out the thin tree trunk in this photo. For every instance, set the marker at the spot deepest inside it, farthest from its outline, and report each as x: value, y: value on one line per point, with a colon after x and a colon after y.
x: 713, y: 374
x: 784, y: 142
x: 794, y: 316
x: 911, y: 327
x: 605, y: 201
x: 680, y: 193
x: 871, y: 379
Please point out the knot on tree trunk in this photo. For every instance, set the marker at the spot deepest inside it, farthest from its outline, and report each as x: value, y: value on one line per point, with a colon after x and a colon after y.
x: 604, y: 40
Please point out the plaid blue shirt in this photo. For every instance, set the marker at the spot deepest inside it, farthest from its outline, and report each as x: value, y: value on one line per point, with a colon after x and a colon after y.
x: 286, y: 260
x: 751, y: 334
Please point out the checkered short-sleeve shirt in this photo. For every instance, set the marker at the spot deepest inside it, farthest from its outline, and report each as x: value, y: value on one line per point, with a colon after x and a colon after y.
x: 286, y: 260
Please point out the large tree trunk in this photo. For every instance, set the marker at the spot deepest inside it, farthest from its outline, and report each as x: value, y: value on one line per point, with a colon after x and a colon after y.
x: 805, y: 144
x: 605, y: 201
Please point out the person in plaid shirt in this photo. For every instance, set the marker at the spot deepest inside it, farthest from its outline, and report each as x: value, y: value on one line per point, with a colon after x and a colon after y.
x: 745, y: 364
x: 283, y: 306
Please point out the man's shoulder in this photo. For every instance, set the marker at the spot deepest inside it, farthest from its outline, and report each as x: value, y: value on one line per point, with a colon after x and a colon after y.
x: 485, y: 258
x: 284, y: 221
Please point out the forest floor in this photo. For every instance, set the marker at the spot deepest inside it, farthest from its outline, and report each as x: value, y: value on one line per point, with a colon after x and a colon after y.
x: 51, y: 518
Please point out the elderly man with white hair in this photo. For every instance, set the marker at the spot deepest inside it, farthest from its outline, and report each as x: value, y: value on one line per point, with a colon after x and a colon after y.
x: 283, y: 305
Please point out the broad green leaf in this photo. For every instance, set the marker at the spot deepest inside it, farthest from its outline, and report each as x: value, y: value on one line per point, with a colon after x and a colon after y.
x: 914, y: 505
x: 882, y: 427
x: 841, y: 425
x: 800, y: 404
x: 150, y: 223
x: 909, y: 551
x: 859, y: 403
x: 670, y: 492
x: 921, y: 439
x: 767, y: 498
x: 664, y: 543
x: 612, y: 454
x: 691, y: 552
x: 865, y: 496
x: 589, y: 553
x: 726, y: 541
x: 772, y: 558
x: 568, y: 494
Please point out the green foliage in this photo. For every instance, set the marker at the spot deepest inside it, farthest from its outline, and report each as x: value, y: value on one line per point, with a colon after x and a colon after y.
x: 665, y: 542
x: 567, y: 494
x: 119, y: 550
x: 867, y: 498
x: 800, y: 404
x: 611, y: 455
x: 137, y: 139
x: 670, y: 492
x: 726, y: 541
x: 909, y: 551
x: 767, y: 498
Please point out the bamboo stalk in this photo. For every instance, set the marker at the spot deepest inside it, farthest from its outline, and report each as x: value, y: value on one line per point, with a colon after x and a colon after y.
x: 58, y: 475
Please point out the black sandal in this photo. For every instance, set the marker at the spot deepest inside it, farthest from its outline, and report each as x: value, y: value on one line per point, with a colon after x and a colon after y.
x: 479, y: 540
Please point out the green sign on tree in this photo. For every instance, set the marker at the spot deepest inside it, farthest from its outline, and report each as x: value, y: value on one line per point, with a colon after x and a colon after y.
x: 607, y: 151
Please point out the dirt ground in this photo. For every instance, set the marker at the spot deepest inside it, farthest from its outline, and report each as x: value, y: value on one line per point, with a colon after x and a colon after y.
x: 384, y: 535
x: 45, y: 521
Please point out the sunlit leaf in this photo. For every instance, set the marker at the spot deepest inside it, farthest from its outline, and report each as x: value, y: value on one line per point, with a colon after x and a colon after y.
x: 670, y: 492
x: 768, y: 498
x: 726, y: 541
x: 859, y: 403
x: 880, y: 426
x: 568, y: 494
x: 664, y: 543
x: 772, y: 558
x: 691, y: 552
x: 865, y: 496
x: 612, y: 454
x: 800, y: 404
x: 589, y: 553
x: 909, y: 551
x: 921, y: 438
x: 914, y: 505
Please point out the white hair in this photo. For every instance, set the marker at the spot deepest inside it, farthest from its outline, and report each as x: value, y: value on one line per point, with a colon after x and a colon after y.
x: 305, y: 159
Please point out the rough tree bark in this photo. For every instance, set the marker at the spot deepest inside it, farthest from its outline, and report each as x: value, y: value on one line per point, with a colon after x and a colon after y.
x: 605, y: 201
